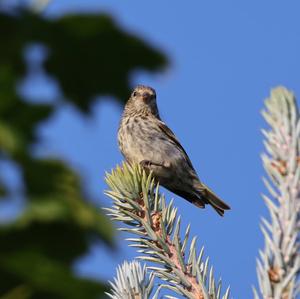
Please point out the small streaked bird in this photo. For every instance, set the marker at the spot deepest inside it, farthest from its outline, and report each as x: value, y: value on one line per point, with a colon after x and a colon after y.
x: 145, y: 139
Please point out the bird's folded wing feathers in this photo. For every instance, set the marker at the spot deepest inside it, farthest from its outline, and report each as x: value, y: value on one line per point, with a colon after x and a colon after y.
x: 163, y: 127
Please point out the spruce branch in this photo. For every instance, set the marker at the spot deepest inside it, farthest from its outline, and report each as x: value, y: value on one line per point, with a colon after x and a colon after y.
x: 132, y: 282
x: 278, y: 265
x: 138, y: 204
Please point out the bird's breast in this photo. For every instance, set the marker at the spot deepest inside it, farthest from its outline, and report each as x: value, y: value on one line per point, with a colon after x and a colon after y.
x: 140, y: 139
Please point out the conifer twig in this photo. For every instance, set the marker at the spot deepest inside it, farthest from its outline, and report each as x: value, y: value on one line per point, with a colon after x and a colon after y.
x: 131, y: 282
x: 138, y: 204
x: 278, y: 265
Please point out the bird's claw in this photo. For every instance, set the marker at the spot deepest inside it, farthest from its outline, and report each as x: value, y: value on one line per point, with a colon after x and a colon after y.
x: 148, y: 164
x: 145, y: 163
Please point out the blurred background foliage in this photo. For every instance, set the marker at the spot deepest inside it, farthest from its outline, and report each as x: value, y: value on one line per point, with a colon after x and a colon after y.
x: 88, y: 55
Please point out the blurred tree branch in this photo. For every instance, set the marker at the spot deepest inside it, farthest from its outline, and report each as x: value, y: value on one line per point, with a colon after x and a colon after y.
x: 39, y: 5
x: 88, y: 55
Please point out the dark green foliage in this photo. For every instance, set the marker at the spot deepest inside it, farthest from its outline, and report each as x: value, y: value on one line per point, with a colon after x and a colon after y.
x: 88, y: 55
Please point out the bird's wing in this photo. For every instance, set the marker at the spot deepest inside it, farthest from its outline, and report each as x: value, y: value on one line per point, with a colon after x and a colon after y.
x: 167, y: 131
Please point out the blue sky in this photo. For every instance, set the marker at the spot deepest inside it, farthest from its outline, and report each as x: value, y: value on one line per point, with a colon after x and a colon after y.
x: 225, y: 57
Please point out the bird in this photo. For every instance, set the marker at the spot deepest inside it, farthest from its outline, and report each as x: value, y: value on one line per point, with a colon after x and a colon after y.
x: 146, y: 140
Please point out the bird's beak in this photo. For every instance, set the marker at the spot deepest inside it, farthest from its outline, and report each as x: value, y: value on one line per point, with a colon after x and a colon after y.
x: 146, y: 97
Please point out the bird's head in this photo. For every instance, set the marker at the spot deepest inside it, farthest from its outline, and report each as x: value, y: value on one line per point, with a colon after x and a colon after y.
x: 143, y: 98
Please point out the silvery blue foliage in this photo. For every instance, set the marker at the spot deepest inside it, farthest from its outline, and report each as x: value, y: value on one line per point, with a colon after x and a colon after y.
x: 132, y: 282
x: 278, y: 265
x: 138, y: 204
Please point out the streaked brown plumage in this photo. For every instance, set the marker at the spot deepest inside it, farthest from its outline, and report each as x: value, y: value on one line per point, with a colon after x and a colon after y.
x: 144, y: 138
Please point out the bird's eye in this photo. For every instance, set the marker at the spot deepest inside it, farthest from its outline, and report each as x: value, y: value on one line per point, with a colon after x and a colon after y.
x: 134, y: 94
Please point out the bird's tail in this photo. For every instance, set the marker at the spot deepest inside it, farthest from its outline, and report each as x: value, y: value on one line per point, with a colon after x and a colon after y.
x: 219, y: 205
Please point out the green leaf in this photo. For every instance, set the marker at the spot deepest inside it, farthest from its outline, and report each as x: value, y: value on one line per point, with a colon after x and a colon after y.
x: 19, y: 292
x: 89, y: 55
x: 47, y: 276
